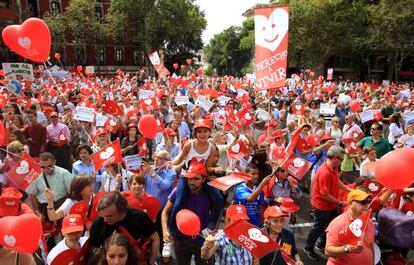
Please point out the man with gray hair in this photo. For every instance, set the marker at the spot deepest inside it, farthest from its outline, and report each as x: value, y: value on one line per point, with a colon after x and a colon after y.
x: 325, y: 202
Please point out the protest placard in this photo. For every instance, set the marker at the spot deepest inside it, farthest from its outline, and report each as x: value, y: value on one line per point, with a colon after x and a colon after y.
x: 327, y: 109
x: 181, y: 100
x: 366, y: 116
x: 204, y: 103
x: 84, y: 114
x: 133, y: 162
x: 18, y: 71
x: 100, y: 120
x: 144, y: 94
x: 15, y: 87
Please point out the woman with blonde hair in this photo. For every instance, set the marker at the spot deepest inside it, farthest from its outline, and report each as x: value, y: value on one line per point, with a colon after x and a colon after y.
x: 102, y: 138
x: 335, y: 131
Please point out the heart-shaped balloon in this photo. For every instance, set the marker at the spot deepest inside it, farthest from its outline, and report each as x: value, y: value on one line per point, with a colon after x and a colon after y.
x: 15, y: 236
x: 31, y: 39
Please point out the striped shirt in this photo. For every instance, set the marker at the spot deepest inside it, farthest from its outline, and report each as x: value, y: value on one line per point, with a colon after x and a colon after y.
x: 230, y: 254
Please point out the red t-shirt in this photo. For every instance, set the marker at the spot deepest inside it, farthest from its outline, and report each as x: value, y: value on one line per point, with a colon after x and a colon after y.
x: 149, y: 204
x: 325, y: 181
x: 408, y: 207
x: 333, y: 237
x: 38, y: 134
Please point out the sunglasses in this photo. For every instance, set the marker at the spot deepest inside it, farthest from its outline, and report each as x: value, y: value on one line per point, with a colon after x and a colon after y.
x: 46, y: 167
x: 372, y: 128
x: 364, y: 202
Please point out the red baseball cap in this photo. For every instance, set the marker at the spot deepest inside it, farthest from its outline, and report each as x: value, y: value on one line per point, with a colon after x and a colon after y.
x: 101, y: 131
x: 54, y: 114
x: 273, y: 211
x: 278, y: 134
x: 271, y: 124
x: 72, y: 223
x: 196, y: 168
x: 48, y: 110
x: 289, y: 206
x: 132, y: 125
x: 202, y: 123
x: 10, y: 201
x: 236, y: 212
x: 170, y: 132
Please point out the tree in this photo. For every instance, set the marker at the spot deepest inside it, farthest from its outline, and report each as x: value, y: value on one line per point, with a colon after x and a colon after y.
x: 80, y: 22
x: 392, y: 28
x: 174, y: 26
x: 230, y: 52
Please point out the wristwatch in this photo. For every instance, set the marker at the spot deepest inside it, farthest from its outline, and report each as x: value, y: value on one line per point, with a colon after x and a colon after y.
x: 346, y: 248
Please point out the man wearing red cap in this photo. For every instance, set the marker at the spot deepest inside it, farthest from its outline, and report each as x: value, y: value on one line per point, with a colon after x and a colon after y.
x: 58, y: 139
x: 72, y: 229
x: 201, y: 202
x: 10, y: 203
x: 225, y: 250
x: 275, y: 226
x: 337, y: 247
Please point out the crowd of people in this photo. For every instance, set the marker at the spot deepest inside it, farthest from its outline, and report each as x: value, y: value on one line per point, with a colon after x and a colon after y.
x: 128, y: 215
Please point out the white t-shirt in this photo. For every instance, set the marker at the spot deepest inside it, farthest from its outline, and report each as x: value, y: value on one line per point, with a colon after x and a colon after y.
x: 394, y: 133
x: 66, y: 205
x: 60, y: 247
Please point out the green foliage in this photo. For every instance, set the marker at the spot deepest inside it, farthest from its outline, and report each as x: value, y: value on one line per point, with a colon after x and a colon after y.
x: 319, y: 29
x: 175, y: 26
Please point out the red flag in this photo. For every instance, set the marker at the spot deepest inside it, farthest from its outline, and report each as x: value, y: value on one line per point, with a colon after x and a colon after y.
x: 295, y: 165
x: 244, y: 117
x: 351, y: 145
x: 158, y: 65
x: 142, y: 147
x: 110, y: 154
x: 62, y: 139
x: 293, y: 142
x: 354, y: 232
x: 4, y: 135
x: 271, y: 42
x: 24, y: 172
x: 69, y: 256
x: 111, y: 125
x: 111, y: 107
x: 238, y: 150
x: 298, y: 108
x: 255, y: 240
x: 149, y: 104
x: 224, y: 183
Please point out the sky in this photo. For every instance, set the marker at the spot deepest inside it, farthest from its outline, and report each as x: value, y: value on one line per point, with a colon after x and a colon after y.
x: 221, y: 14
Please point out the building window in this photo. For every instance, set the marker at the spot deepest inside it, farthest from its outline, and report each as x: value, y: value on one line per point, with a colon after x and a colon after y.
x: 80, y: 55
x: 5, y: 3
x: 100, y: 55
x: 33, y: 8
x: 139, y: 57
x: 55, y: 7
x: 99, y: 10
x: 119, y: 55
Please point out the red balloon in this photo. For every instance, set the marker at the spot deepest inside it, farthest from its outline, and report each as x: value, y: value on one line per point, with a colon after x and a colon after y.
x: 312, y: 75
x: 189, y: 61
x: 355, y: 106
x: 313, y: 139
x: 31, y: 40
x: 4, y: 135
x: 79, y: 68
x: 1, y: 72
x: 321, y: 78
x: 175, y: 66
x: 15, y: 236
x: 57, y: 56
x: 386, y: 173
x: 147, y: 126
x: 193, y: 77
x: 183, y: 67
x: 200, y: 72
x: 188, y: 222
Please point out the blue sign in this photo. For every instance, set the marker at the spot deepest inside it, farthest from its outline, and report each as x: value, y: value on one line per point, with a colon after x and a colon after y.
x: 15, y: 87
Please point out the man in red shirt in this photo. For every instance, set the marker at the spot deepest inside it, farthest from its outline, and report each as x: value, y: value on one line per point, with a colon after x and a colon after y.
x: 350, y: 236
x: 325, y: 200
x: 35, y: 134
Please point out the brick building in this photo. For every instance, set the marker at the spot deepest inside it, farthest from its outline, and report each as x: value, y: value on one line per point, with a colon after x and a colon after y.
x: 106, y: 57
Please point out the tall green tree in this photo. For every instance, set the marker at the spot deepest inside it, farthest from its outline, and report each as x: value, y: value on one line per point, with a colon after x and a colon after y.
x: 391, y: 29
x: 174, y: 26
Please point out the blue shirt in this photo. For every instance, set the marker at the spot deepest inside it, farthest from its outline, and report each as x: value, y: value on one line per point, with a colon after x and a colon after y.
x: 184, y: 130
x: 161, y: 186
x: 253, y: 208
x: 79, y: 168
x: 174, y: 151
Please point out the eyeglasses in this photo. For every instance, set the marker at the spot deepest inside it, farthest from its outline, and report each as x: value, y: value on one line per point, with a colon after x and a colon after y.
x: 46, y: 167
x: 364, y: 202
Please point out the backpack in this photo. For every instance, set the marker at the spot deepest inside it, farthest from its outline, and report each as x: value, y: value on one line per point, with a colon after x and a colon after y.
x: 395, y: 228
